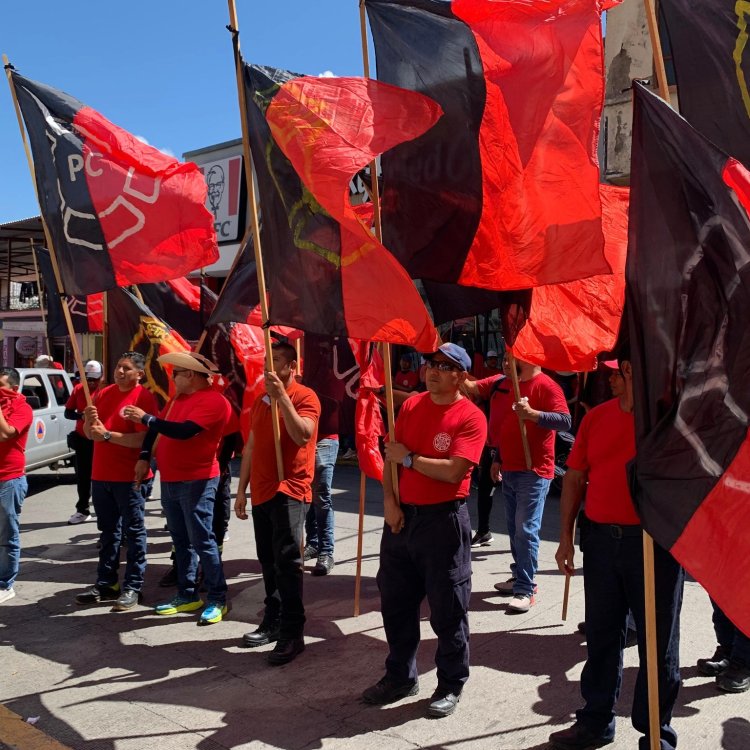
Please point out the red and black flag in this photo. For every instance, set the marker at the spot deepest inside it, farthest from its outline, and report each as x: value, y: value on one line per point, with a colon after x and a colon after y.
x: 503, y: 193
x: 181, y: 304
x: 120, y: 212
x: 239, y: 296
x: 688, y: 307
x: 239, y: 351
x: 570, y: 324
x: 325, y: 271
x: 86, y: 311
x: 135, y: 328
x: 711, y: 56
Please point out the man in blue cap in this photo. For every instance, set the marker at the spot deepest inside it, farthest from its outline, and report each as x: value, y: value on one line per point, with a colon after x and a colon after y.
x: 426, y: 545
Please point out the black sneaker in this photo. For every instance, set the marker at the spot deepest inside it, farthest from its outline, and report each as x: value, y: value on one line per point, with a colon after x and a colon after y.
x: 716, y: 664
x: 324, y: 565
x: 95, y: 594
x: 388, y: 691
x: 309, y: 553
x: 735, y: 678
x: 169, y: 579
x: 127, y: 600
x: 482, y: 540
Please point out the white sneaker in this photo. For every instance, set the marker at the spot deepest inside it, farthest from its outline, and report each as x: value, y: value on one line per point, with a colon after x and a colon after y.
x: 349, y: 455
x: 78, y: 518
x: 6, y: 594
x: 521, y: 603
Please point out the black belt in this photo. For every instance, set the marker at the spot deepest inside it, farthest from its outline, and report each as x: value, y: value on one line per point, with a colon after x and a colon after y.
x: 617, y: 531
x: 426, y: 510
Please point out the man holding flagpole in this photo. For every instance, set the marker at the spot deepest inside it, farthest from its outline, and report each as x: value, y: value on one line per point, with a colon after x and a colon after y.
x: 613, y: 576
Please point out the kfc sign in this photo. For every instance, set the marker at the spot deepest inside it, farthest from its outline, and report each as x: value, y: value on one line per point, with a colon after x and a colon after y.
x: 223, y: 178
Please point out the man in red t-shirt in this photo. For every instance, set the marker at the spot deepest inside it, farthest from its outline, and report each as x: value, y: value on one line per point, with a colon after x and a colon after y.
x: 78, y: 441
x: 613, y: 581
x: 405, y: 379
x: 185, y: 441
x: 279, y: 507
x: 15, y: 420
x: 426, y: 544
x: 543, y: 408
x: 119, y: 504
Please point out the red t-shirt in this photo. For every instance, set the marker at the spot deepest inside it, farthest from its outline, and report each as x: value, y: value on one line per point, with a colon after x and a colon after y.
x: 438, y: 431
x: 605, y: 442
x: 77, y: 402
x: 18, y: 414
x: 194, y: 458
x: 408, y: 380
x: 299, y: 461
x: 505, y: 432
x: 116, y: 463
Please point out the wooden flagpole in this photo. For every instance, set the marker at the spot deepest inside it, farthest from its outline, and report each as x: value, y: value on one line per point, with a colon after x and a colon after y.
x: 41, y: 296
x: 387, y: 364
x: 249, y: 178
x: 566, y: 592
x: 105, y: 336
x: 649, y: 580
x: 47, y: 236
x: 517, y: 395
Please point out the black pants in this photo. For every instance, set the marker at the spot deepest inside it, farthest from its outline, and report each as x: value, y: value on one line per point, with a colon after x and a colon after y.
x: 84, y: 449
x: 430, y: 557
x: 223, y: 506
x: 279, y: 527
x: 613, y: 584
x: 484, y: 493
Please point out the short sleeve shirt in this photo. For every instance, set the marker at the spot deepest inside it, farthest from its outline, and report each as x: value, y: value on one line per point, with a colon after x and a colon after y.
x: 408, y: 380
x: 604, y: 444
x: 77, y: 402
x: 438, y: 431
x: 298, y: 461
x: 18, y: 414
x: 504, y: 429
x: 194, y: 458
x: 116, y: 463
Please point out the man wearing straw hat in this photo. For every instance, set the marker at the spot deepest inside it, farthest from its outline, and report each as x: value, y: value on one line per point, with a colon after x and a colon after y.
x: 426, y: 545
x: 185, y: 440
x: 613, y: 577
x: 279, y: 507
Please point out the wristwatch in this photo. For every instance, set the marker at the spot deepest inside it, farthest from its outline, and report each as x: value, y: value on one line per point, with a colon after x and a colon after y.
x: 107, y: 436
x: 409, y: 460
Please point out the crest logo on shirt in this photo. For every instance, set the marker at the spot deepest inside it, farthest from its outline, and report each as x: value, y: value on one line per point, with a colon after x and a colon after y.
x: 441, y: 442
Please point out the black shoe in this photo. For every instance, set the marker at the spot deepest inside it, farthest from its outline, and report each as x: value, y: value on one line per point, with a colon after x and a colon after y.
x: 324, y: 565
x: 579, y: 737
x: 388, y: 691
x: 734, y: 679
x: 169, y: 579
x: 95, y: 594
x: 127, y: 600
x: 482, y: 539
x: 286, y: 650
x: 267, y: 632
x: 716, y: 664
x: 442, y: 703
x: 309, y: 553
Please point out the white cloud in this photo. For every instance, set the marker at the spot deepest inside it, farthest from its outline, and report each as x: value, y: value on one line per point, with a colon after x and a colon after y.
x: 327, y: 74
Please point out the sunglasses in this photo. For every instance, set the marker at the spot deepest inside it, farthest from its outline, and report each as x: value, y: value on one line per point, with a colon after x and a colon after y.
x: 440, y: 366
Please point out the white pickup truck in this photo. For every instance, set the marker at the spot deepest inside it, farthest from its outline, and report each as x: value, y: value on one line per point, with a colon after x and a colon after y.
x: 47, y: 391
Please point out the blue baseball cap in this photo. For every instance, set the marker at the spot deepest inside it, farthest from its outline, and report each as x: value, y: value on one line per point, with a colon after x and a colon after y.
x: 455, y: 354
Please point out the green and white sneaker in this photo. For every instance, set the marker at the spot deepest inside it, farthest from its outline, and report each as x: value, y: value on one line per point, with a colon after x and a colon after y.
x: 213, y: 613
x: 178, y: 604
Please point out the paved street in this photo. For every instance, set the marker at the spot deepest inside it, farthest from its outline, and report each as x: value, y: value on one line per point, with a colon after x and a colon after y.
x: 134, y: 681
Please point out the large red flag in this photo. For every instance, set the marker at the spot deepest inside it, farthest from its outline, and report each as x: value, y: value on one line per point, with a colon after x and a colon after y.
x: 503, y: 192
x: 120, y: 212
x: 569, y: 324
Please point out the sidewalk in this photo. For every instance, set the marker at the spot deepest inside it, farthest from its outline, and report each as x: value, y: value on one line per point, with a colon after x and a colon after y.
x: 135, y: 681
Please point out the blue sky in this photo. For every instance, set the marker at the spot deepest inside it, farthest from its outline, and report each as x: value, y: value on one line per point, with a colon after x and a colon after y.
x: 161, y: 69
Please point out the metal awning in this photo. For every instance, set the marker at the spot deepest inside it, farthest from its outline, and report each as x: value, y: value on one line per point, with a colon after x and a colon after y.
x: 16, y: 262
